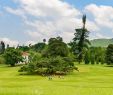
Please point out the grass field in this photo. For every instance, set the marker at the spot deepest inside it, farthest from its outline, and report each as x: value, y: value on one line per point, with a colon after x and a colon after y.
x: 91, y: 80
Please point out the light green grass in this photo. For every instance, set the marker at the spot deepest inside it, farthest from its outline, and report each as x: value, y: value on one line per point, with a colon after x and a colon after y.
x: 91, y: 80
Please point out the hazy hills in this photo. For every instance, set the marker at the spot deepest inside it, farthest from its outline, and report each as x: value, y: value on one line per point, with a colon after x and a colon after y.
x: 101, y: 42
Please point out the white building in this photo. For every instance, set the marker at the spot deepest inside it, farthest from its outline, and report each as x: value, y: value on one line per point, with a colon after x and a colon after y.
x: 25, y: 55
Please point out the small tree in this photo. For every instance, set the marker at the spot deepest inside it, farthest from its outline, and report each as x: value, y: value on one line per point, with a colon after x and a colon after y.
x: 12, y: 56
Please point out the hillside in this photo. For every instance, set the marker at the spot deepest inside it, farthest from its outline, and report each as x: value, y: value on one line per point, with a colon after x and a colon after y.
x: 101, y: 42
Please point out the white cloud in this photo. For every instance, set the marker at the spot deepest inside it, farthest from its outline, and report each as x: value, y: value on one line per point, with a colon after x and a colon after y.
x: 49, y: 19
x: 16, y: 12
x: 92, y: 26
x: 30, y: 42
x: 9, y: 41
x: 98, y: 35
x: 103, y: 15
x: 53, y: 18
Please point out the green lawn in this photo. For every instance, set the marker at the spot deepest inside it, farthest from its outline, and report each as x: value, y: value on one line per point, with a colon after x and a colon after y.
x: 91, y: 80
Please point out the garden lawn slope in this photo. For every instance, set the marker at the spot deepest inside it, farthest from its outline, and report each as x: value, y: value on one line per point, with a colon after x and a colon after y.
x: 91, y: 80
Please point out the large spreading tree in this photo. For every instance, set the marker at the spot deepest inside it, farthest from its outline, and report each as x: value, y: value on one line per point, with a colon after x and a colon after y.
x: 80, y: 42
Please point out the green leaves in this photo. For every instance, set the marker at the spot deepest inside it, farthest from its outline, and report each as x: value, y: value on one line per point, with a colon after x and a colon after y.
x: 53, y: 65
x: 109, y: 54
x: 57, y: 47
x: 13, y: 56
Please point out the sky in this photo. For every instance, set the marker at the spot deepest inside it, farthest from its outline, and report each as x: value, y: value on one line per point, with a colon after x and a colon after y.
x: 30, y: 21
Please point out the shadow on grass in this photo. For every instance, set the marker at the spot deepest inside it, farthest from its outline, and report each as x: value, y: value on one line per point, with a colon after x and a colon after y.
x: 108, y: 66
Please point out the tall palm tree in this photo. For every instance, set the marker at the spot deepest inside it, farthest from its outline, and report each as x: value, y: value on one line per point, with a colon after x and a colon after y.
x: 80, y: 41
x: 84, y: 21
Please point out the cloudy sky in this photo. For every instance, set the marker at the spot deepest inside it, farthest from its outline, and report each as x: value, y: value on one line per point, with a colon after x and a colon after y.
x: 30, y: 21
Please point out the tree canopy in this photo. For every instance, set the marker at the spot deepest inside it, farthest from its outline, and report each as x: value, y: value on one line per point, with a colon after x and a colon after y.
x: 56, y: 47
x: 13, y: 56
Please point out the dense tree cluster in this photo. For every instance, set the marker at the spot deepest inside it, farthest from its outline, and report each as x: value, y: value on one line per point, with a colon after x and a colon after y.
x: 95, y: 55
x: 56, y: 59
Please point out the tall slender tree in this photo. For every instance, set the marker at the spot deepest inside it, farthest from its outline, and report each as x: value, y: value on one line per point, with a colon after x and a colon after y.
x: 2, y: 47
x: 80, y: 41
x: 109, y: 55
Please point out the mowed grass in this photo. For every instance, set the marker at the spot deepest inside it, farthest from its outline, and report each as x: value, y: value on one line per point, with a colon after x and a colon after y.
x: 91, y: 80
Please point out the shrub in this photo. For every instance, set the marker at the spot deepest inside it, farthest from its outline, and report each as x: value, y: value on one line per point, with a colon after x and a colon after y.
x: 47, y: 66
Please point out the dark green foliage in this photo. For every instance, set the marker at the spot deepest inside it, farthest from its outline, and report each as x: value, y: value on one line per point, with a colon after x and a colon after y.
x: 2, y: 47
x: 87, y: 57
x: 56, y: 47
x: 92, y: 55
x: 99, y: 55
x: 45, y: 52
x: 109, y: 54
x: 102, y: 61
x: 92, y: 59
x: 39, y: 47
x: 80, y: 41
x: 95, y: 55
x: 23, y: 48
x: 12, y: 56
x: 34, y: 57
x: 47, y: 66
